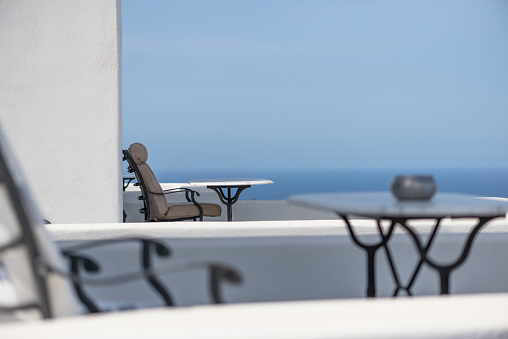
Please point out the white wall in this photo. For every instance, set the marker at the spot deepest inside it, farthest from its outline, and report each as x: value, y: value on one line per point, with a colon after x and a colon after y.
x: 284, y: 260
x: 458, y: 317
x: 60, y: 106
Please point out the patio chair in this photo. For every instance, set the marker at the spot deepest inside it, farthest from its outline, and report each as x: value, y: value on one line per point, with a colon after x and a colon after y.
x: 156, y: 207
x: 34, y: 281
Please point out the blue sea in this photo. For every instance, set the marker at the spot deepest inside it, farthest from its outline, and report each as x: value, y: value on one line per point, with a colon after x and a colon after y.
x: 491, y: 182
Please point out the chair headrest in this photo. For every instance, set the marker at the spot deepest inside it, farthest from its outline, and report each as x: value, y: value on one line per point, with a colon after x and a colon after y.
x: 138, y: 153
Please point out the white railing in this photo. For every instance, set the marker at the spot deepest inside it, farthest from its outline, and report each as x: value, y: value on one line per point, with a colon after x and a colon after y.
x: 286, y: 260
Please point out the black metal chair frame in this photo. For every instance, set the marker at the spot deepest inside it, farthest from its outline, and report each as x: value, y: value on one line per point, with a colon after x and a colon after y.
x: 218, y: 272
x: 78, y: 262
x: 190, y: 195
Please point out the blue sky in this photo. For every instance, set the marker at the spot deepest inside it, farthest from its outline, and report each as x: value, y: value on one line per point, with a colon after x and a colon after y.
x: 316, y: 84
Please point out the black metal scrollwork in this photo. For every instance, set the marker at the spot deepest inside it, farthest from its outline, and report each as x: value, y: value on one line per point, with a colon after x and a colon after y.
x: 228, y: 199
x: 218, y: 273
x: 89, y: 266
x: 444, y: 270
x: 370, y: 250
x: 146, y: 261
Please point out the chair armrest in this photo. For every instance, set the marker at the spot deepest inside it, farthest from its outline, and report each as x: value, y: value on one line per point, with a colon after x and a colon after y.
x: 178, y: 190
x: 186, y: 190
x: 218, y: 272
x: 192, y: 197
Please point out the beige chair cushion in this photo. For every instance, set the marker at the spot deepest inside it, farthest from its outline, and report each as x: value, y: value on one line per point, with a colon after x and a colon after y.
x: 158, y: 203
x: 138, y: 153
x: 185, y: 210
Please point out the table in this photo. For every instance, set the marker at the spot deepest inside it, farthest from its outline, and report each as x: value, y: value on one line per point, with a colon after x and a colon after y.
x: 218, y: 185
x: 384, y: 206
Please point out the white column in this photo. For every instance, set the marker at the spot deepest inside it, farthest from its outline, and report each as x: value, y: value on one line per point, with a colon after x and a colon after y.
x: 60, y: 103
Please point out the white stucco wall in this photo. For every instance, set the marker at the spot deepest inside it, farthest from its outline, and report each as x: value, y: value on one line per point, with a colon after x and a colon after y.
x: 283, y: 260
x: 458, y: 317
x: 60, y: 103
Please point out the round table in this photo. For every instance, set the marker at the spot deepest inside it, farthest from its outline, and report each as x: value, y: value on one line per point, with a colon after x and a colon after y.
x: 384, y: 206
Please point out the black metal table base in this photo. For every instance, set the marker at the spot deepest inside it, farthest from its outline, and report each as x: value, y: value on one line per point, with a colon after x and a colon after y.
x: 444, y: 270
x: 371, y: 250
x: 228, y: 199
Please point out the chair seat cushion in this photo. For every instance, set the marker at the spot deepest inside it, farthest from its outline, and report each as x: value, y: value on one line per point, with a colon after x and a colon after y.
x: 188, y: 210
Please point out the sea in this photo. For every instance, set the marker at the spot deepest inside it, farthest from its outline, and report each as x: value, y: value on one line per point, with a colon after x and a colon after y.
x: 489, y: 182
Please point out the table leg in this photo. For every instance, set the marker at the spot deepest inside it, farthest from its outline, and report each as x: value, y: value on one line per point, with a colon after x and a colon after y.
x: 230, y: 206
x: 418, y: 267
x: 393, y: 269
x: 443, y: 270
x: 370, y: 250
x: 228, y: 199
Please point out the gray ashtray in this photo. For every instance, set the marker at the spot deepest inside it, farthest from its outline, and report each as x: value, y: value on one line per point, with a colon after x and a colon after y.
x: 413, y: 187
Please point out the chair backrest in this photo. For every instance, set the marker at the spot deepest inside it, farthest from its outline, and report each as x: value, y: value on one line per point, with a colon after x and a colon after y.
x: 157, y: 203
x: 31, y: 263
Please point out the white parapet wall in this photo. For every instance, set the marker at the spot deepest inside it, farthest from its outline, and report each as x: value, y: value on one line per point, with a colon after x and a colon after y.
x: 478, y: 316
x: 60, y: 107
x: 283, y: 260
x: 287, y: 264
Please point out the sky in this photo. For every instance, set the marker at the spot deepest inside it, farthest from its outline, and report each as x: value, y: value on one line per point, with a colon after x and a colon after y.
x: 311, y: 84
